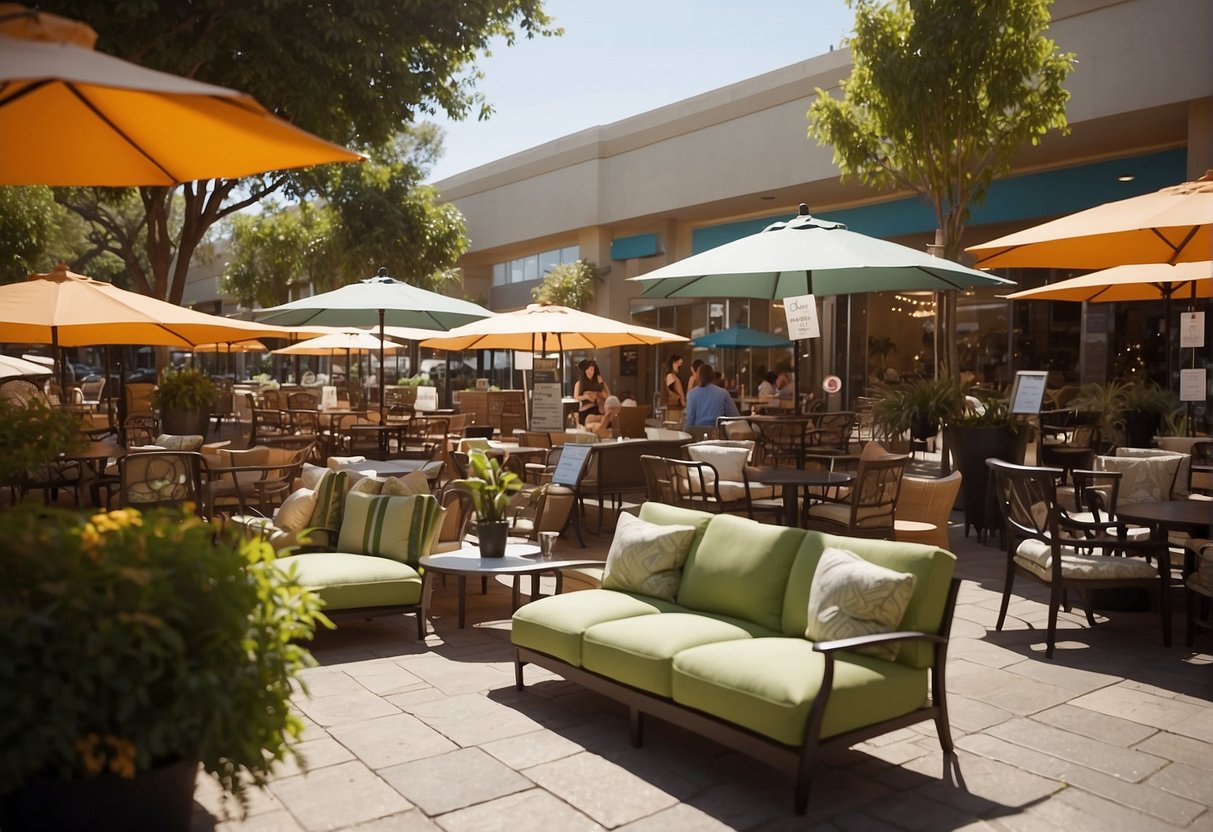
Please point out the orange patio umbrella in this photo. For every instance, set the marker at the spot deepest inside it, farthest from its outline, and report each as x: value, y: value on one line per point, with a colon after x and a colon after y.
x: 1149, y: 281
x: 1171, y: 225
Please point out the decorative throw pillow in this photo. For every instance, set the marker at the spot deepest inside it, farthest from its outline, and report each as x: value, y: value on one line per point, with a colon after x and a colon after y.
x: 296, y: 510
x: 409, y: 485
x: 1179, y: 490
x: 368, y: 485
x: 311, y: 474
x: 400, y: 528
x: 728, y: 461
x: 180, y: 442
x: 1143, y: 479
x: 647, y: 557
x: 851, y: 597
x: 330, y: 499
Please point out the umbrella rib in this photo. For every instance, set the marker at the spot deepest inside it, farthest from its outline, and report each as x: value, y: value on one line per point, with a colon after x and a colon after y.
x: 22, y: 92
x: 122, y: 133
x: 1175, y: 250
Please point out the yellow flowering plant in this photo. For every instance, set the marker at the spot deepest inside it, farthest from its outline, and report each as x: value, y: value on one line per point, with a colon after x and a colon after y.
x: 130, y: 641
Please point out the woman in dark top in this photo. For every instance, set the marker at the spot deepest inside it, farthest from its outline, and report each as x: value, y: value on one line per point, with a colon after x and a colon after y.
x: 673, y: 396
x: 590, y: 391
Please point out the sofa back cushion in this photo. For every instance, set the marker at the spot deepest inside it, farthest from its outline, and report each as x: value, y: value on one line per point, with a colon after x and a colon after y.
x: 741, y: 569
x: 330, y: 499
x: 1143, y: 479
x: 931, y: 567
x: 400, y: 528
x: 1179, y: 489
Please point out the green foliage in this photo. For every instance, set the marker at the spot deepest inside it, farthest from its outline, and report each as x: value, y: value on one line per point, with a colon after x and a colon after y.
x: 569, y: 284
x: 935, y: 400
x: 994, y: 412
x: 32, y: 435
x: 278, y: 247
x: 491, y: 487
x: 185, y: 389
x: 129, y: 641
x: 941, y: 97
x: 1108, y: 400
x: 37, y: 232
x: 1149, y: 397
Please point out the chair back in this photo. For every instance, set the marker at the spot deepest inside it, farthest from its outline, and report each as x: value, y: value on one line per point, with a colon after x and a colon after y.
x: 20, y: 391
x: 657, y: 487
x: 457, y: 501
x: 693, y: 484
x: 782, y: 441
x: 536, y: 439
x: 833, y: 430
x: 1027, y: 498
x: 734, y: 427
x: 302, y: 401
x: 478, y: 432
x: 927, y: 500
x: 631, y: 421
x: 91, y: 388
x: 876, y: 490
x: 141, y: 429
x: 139, y: 397
x: 510, y: 421
x: 153, y: 479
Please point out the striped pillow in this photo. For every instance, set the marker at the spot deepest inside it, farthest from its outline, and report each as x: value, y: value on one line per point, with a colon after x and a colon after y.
x: 400, y: 528
x: 330, y: 502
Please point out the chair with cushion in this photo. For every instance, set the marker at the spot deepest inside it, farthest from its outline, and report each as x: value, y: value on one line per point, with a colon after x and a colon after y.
x: 1047, y: 545
x: 155, y: 479
x: 868, y: 507
x: 714, y: 479
x: 631, y: 421
x: 252, y: 481
x: 831, y: 432
x: 924, y: 507
x: 141, y: 429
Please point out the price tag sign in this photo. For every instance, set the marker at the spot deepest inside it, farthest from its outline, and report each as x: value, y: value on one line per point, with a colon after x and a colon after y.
x: 1192, y: 330
x: 1193, y: 386
x: 801, y: 312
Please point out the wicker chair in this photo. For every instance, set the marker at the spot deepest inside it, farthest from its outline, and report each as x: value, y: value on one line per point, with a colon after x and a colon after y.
x: 926, y: 502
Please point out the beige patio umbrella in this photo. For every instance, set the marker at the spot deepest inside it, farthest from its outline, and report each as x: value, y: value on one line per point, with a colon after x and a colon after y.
x: 541, y: 327
x: 1171, y: 225
x: 349, y: 341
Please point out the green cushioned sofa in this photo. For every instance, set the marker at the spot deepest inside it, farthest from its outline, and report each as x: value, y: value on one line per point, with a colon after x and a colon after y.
x: 729, y: 657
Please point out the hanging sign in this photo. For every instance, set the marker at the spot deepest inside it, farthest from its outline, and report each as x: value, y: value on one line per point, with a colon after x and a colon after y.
x: 1193, y: 386
x: 1192, y: 330
x: 1029, y: 391
x: 547, y: 409
x: 802, y: 317
x: 522, y: 359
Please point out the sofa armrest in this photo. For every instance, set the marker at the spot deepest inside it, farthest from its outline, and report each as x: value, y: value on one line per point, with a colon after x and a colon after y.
x: 875, y: 638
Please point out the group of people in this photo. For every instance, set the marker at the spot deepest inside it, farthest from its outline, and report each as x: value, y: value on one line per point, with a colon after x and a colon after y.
x: 597, y: 409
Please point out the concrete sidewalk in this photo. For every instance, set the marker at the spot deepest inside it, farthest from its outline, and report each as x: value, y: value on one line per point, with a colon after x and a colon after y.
x: 1114, y: 733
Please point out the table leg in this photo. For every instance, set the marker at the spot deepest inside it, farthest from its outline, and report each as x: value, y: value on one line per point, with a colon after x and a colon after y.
x: 427, y: 594
x: 790, y: 493
x: 463, y: 591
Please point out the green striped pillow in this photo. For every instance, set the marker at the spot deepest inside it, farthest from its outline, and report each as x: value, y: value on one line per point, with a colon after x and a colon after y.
x: 330, y: 502
x: 400, y: 528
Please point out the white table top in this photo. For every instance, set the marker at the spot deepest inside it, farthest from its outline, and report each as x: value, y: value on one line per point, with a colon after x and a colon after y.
x: 520, y: 559
x: 380, y: 468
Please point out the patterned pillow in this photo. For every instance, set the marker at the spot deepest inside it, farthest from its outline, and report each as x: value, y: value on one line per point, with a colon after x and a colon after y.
x: 409, y: 485
x: 647, y: 557
x: 1143, y: 479
x: 851, y: 597
x: 1179, y: 491
x: 400, y: 528
x: 311, y: 474
x: 296, y: 510
x: 368, y: 485
x: 330, y: 500
x: 180, y: 442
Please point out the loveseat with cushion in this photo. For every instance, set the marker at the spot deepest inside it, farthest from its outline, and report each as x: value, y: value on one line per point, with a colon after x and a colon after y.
x: 773, y: 641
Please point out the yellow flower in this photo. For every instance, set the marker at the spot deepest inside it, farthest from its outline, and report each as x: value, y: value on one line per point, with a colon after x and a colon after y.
x: 122, y: 756
x: 89, y: 749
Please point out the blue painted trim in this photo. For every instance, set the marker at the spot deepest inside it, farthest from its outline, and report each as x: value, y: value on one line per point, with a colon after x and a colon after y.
x: 640, y: 245
x: 1028, y: 197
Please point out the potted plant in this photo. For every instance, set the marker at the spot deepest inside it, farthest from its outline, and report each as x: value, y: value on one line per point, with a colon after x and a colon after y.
x: 1146, y: 404
x: 491, y: 487
x: 184, y: 398
x: 32, y: 436
x: 1106, y: 405
x: 975, y: 434
x: 135, y: 647
x: 918, y: 407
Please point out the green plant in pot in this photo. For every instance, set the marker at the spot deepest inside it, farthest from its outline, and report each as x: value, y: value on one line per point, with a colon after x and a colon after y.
x: 184, y: 399
x: 973, y: 435
x: 135, y: 647
x: 1107, y: 403
x: 918, y: 407
x: 492, y: 488
x: 1146, y: 405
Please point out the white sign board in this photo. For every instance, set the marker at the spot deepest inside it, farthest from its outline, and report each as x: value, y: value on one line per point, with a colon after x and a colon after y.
x: 328, y: 397
x: 547, y: 407
x: 572, y: 460
x: 1192, y: 385
x: 1192, y: 330
x: 1029, y: 391
x: 802, y: 317
x: 522, y: 360
x: 427, y: 398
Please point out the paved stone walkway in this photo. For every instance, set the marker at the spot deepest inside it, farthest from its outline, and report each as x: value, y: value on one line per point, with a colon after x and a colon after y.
x: 1114, y: 733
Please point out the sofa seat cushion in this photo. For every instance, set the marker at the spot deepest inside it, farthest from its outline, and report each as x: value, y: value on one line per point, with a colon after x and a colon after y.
x: 768, y: 686
x: 1037, y: 557
x: 347, y: 581
x: 554, y: 625
x: 639, y: 651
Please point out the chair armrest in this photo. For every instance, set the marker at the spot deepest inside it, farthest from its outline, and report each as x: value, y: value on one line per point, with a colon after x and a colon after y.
x: 875, y: 638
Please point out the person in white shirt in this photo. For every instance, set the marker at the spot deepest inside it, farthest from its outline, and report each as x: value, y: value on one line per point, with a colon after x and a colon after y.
x: 767, y: 388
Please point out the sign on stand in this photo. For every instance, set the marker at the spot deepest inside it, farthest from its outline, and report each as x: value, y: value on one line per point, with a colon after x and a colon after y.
x: 801, y: 312
x: 547, y: 407
x: 1193, y: 386
x: 1028, y: 394
x: 1192, y: 330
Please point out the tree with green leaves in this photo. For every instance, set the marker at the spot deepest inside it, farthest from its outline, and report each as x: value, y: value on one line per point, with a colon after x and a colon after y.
x: 355, y: 74
x: 569, y: 284
x: 942, y: 96
x: 36, y: 233
x: 275, y: 249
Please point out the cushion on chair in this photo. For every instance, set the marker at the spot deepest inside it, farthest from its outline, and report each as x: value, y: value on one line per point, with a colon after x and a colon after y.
x: 1179, y: 490
x: 296, y: 510
x: 851, y: 597
x: 409, y: 485
x: 841, y: 513
x: 1143, y: 479
x: 1037, y: 557
x: 401, y: 528
x: 349, y: 581
x: 647, y: 558
x: 728, y: 461
x: 330, y: 499
x: 181, y: 442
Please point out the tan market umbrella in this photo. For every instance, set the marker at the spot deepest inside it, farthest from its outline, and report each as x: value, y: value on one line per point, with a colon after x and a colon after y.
x: 541, y: 327
x: 72, y: 116
x: 232, y: 346
x: 351, y: 341
x: 1150, y: 281
x: 1168, y: 226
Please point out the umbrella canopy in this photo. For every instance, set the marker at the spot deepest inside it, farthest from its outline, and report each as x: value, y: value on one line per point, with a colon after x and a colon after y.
x: 1154, y: 281
x: 541, y: 327
x: 11, y: 367
x: 808, y: 256
x: 740, y: 338
x: 232, y: 346
x: 70, y: 310
x: 352, y: 341
x: 72, y: 116
x: 1167, y: 226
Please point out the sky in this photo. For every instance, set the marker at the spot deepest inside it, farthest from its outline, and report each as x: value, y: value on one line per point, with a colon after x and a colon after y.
x: 623, y: 57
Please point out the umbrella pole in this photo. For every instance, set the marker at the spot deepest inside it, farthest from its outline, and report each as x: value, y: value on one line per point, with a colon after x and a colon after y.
x: 382, y: 409
x: 60, y: 374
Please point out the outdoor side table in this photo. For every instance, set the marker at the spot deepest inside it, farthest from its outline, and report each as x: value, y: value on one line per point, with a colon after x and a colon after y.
x: 520, y: 559
x: 792, y: 480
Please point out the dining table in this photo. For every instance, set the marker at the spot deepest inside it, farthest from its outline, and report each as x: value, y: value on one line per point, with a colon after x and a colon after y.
x: 94, y: 457
x: 792, y: 481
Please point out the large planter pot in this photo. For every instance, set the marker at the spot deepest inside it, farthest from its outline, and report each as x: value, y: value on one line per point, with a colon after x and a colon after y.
x: 160, y: 800
x: 971, y: 447
x: 1141, y: 426
x: 492, y: 537
x: 922, y: 428
x: 180, y: 421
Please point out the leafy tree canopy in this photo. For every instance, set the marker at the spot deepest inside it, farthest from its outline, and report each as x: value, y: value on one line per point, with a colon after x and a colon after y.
x: 36, y: 233
x: 941, y: 97
x: 569, y: 284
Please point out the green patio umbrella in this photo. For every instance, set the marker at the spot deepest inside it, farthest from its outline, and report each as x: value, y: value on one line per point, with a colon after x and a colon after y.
x: 377, y: 301
x: 808, y: 256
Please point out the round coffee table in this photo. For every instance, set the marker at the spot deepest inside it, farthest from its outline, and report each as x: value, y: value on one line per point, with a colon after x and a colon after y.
x: 792, y: 480
x: 520, y: 559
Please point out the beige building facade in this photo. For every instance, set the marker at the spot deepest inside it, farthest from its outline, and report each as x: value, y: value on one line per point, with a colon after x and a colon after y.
x: 636, y: 194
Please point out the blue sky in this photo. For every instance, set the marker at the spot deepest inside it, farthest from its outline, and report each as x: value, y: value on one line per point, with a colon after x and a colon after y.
x: 623, y: 57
